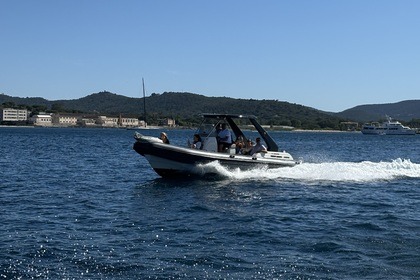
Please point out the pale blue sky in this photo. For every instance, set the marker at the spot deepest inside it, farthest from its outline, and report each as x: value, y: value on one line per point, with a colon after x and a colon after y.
x: 326, y: 54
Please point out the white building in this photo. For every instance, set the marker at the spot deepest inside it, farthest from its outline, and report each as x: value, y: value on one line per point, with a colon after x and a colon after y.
x: 14, y: 115
x: 85, y: 121
x: 129, y: 122
x: 64, y: 119
x: 107, y: 122
x: 42, y: 120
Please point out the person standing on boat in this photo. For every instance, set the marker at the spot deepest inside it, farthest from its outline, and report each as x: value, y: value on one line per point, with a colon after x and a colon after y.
x: 225, y: 138
x: 258, y: 148
x: 164, y: 138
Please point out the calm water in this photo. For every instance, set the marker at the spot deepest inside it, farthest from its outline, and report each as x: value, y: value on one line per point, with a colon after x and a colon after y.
x: 80, y: 203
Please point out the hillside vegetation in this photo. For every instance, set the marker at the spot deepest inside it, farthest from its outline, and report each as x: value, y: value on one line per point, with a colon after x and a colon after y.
x: 185, y: 109
x: 403, y: 111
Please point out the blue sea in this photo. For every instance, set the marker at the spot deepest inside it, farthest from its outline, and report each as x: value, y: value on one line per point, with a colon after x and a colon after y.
x: 82, y: 204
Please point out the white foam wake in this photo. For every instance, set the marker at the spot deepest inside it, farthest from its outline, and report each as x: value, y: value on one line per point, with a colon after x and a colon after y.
x: 365, y: 171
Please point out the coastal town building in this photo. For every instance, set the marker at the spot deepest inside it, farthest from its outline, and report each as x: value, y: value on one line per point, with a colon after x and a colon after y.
x: 14, y: 115
x: 128, y: 122
x: 87, y: 121
x: 350, y: 126
x: 107, y: 121
x: 167, y: 122
x: 41, y: 120
x: 142, y: 123
x: 117, y: 121
x: 64, y: 119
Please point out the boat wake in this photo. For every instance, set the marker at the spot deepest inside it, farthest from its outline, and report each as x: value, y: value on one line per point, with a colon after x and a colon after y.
x: 365, y: 171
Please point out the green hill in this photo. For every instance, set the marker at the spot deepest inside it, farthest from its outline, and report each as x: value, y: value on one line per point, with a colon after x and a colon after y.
x: 185, y: 108
x: 403, y: 111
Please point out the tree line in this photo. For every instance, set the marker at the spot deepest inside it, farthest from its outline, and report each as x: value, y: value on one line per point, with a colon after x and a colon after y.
x: 185, y: 108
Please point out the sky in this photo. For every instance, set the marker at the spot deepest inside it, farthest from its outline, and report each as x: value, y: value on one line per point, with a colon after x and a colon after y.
x: 327, y: 54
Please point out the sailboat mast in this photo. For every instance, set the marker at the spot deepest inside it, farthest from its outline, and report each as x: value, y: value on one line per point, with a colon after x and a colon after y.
x: 144, y: 103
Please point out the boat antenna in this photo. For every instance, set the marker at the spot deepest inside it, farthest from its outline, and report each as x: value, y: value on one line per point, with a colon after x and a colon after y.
x: 144, y: 103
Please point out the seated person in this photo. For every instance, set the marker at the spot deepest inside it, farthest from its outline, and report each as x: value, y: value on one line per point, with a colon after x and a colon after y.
x: 258, y: 148
x: 225, y: 138
x: 197, y: 143
x: 164, y: 138
x: 247, y: 148
x: 239, y: 144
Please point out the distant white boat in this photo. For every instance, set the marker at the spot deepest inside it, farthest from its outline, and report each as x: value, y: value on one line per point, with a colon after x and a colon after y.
x: 389, y: 127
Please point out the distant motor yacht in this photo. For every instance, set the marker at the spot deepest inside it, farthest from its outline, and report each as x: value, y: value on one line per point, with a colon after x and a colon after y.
x: 390, y: 127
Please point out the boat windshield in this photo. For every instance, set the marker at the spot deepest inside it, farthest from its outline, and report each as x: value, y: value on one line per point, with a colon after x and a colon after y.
x: 208, y: 128
x: 213, y: 122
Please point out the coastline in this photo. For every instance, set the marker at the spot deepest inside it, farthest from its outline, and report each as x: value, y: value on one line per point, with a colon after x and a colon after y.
x: 170, y: 128
x: 326, y: 131
x: 14, y: 126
